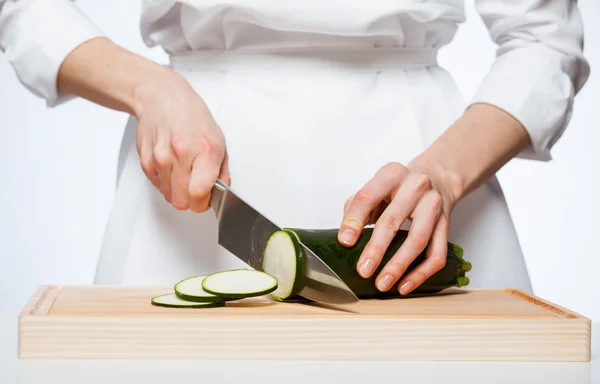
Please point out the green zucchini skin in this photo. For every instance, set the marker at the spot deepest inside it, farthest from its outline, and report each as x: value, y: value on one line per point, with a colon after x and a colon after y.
x: 342, y: 260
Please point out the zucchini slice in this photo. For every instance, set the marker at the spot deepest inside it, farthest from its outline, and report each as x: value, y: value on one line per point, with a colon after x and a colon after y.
x: 282, y: 259
x: 190, y: 289
x: 239, y: 283
x: 171, y: 300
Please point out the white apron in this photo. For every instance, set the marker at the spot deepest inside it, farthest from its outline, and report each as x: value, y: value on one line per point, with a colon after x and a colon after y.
x: 305, y: 129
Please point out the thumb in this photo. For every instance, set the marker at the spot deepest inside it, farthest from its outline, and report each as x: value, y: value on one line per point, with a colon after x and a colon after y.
x: 224, y: 175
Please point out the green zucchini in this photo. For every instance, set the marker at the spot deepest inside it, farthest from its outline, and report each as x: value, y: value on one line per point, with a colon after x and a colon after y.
x: 239, y: 283
x: 190, y: 289
x: 342, y: 260
x: 170, y: 300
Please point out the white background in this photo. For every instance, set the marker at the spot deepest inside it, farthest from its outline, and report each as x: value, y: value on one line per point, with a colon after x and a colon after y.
x: 57, y: 175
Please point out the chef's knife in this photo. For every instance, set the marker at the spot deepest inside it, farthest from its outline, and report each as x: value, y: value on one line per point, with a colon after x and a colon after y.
x: 244, y: 232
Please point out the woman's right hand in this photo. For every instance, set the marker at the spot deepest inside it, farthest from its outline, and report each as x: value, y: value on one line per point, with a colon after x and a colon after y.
x: 181, y: 147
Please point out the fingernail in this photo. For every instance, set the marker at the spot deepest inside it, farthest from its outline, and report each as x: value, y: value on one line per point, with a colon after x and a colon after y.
x: 367, y: 267
x: 385, y: 282
x: 406, y: 287
x: 347, y: 236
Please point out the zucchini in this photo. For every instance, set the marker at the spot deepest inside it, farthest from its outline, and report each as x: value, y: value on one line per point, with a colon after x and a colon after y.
x: 342, y: 260
x: 239, y: 283
x: 283, y: 260
x: 171, y: 300
x: 190, y: 289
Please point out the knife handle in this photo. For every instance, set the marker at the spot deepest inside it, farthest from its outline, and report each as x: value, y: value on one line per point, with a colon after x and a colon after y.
x: 216, y: 196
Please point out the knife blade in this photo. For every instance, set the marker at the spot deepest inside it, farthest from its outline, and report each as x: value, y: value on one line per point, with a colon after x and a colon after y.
x: 244, y: 232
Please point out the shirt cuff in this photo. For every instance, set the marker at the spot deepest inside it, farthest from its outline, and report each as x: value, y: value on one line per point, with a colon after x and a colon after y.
x: 533, y: 85
x: 37, y: 36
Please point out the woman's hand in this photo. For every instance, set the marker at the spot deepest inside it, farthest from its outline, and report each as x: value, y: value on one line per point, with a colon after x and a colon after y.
x: 182, y: 149
x: 468, y: 153
x: 397, y: 193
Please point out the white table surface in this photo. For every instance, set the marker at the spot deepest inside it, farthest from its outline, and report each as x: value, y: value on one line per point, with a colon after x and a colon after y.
x: 13, y: 370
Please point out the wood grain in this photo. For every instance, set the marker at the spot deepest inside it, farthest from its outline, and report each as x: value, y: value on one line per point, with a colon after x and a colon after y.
x: 120, y: 322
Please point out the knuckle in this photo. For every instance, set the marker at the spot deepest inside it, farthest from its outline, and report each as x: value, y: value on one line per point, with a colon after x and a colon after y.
x: 197, y: 192
x: 162, y: 157
x: 399, y: 266
x: 180, y: 204
x: 394, y: 167
x: 421, y: 276
x: 390, y: 223
x: 418, y: 240
x: 363, y: 196
x: 347, y: 205
x: 436, y: 201
x: 147, y: 167
x: 199, y: 206
x: 213, y: 146
x: 375, y: 250
x: 180, y: 146
x: 422, y: 182
x: 438, y: 263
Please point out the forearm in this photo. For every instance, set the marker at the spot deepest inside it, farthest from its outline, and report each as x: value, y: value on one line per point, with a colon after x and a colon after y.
x: 473, y: 149
x: 111, y: 76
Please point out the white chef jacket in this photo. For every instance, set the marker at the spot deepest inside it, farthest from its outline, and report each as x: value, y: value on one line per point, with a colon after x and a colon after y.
x: 539, y: 68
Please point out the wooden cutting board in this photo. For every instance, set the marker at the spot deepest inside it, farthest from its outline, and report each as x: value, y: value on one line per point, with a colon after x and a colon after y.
x: 463, y: 324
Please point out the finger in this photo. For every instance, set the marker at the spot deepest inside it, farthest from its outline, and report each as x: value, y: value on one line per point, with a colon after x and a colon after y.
x: 347, y: 205
x: 147, y: 163
x: 425, y: 216
x: 180, y: 181
x: 434, y: 261
x: 409, y: 196
x: 182, y: 148
x: 205, y: 170
x: 163, y: 163
x: 377, y: 212
x: 365, y: 201
x: 224, y: 175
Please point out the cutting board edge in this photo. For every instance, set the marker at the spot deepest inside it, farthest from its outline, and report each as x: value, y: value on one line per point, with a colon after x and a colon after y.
x: 548, y: 305
x: 41, y: 300
x: 291, y: 339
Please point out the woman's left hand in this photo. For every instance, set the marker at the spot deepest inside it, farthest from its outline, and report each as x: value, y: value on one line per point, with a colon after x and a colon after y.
x: 397, y: 193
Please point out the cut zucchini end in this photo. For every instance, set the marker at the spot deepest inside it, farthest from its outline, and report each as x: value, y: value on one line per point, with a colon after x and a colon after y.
x: 170, y: 300
x: 239, y: 283
x: 281, y: 258
x: 190, y: 289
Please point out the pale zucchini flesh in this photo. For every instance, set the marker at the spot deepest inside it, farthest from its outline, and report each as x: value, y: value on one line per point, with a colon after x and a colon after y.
x: 239, y: 283
x: 190, y: 289
x: 282, y: 258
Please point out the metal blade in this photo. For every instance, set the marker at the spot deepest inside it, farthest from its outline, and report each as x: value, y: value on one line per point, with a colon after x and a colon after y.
x: 244, y: 232
x: 322, y: 284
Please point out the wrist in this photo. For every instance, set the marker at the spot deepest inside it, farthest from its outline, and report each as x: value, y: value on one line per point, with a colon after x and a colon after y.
x: 472, y: 149
x: 155, y: 82
x: 106, y: 74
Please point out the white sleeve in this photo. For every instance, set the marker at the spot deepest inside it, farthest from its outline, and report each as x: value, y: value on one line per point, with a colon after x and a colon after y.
x: 36, y: 36
x: 539, y: 67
